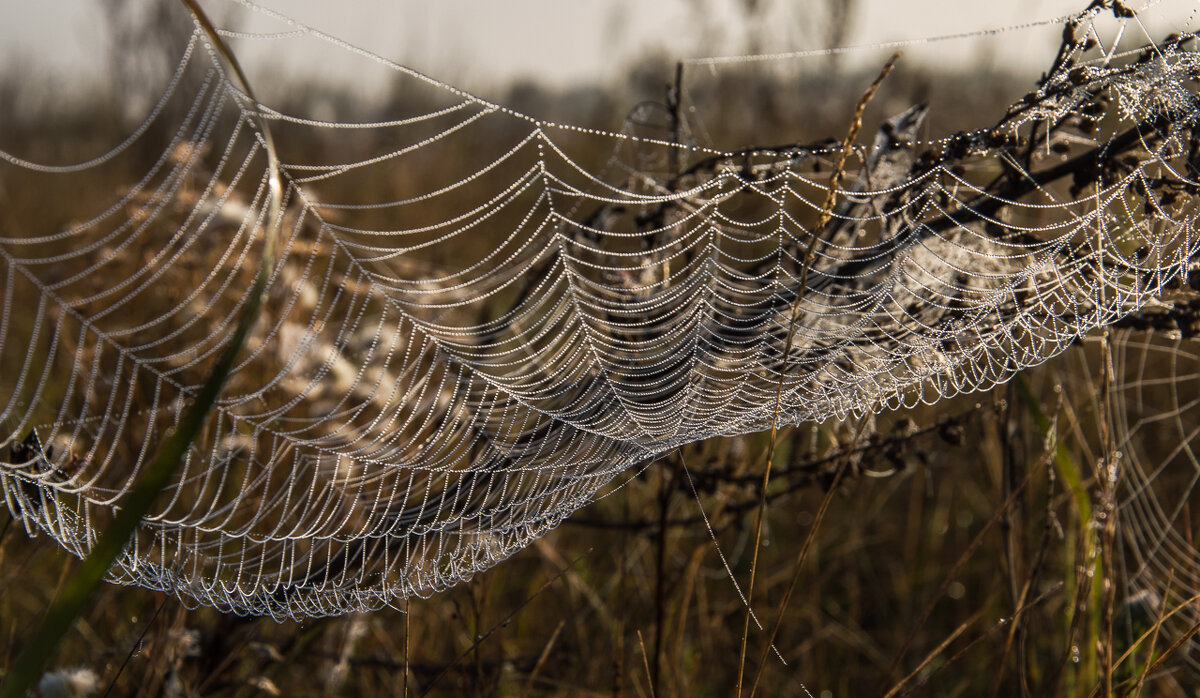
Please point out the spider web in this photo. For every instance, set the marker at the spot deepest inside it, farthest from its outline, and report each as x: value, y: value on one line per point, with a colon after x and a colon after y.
x: 454, y: 358
x: 1156, y: 421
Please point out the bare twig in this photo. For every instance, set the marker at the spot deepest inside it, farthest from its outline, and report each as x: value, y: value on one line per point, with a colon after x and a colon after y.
x: 407, y: 629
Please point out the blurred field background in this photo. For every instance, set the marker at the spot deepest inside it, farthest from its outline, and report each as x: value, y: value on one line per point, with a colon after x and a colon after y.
x: 961, y: 553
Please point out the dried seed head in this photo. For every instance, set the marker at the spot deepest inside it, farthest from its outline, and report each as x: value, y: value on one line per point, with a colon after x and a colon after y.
x: 75, y: 682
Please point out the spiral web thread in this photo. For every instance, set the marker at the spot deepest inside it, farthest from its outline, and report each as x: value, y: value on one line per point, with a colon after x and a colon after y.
x: 1156, y: 423
x: 453, y: 359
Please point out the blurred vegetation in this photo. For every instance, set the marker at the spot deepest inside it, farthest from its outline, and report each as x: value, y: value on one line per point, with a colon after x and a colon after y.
x: 944, y: 523
x: 961, y: 554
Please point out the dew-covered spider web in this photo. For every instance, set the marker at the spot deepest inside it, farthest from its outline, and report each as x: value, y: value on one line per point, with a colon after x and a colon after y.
x: 478, y: 319
x: 1156, y: 422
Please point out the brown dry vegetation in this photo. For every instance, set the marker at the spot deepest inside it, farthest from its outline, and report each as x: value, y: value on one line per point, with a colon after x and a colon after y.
x: 964, y: 551
x: 912, y: 582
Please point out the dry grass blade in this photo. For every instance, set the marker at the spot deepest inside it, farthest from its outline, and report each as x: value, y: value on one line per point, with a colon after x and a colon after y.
x: 822, y: 220
x: 1158, y: 621
x: 541, y: 660
x: 646, y: 664
x: 958, y: 564
x: 809, y: 538
x: 1179, y: 642
x: 931, y: 656
x: 503, y: 622
x: 404, y: 669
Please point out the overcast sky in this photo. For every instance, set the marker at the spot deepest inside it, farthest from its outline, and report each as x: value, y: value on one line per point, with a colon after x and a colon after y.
x: 484, y: 44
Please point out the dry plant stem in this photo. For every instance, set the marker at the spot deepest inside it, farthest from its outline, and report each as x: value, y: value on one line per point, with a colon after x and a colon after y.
x: 674, y: 102
x: 687, y: 591
x: 503, y: 622
x: 686, y: 585
x: 646, y: 663
x: 949, y: 578
x: 1008, y: 475
x: 1009, y: 639
x: 407, y: 627
x: 19, y: 572
x: 1192, y: 558
x: 579, y: 587
x: 722, y: 496
x: 1090, y: 565
x: 134, y: 647
x: 801, y: 557
x: 619, y: 624
x: 1019, y: 628
x: 1016, y: 630
x: 768, y: 457
x: 54, y: 596
x: 1009, y: 467
x: 666, y: 488
x: 1153, y: 631
x: 1162, y: 609
x: 1017, y: 615
x: 478, y: 599
x: 232, y: 651
x: 1108, y: 480
x: 1066, y: 468
x: 802, y: 475
x: 1180, y: 642
x: 541, y: 660
x: 932, y: 655
x: 660, y: 586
